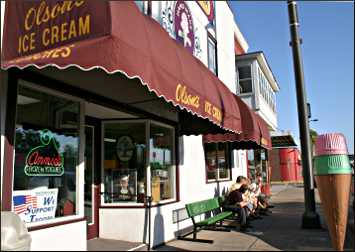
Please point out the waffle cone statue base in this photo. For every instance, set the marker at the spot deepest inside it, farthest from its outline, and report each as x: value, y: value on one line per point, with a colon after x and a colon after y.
x: 334, y: 191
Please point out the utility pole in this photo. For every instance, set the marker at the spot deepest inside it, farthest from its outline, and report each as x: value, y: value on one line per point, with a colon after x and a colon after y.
x: 310, y: 218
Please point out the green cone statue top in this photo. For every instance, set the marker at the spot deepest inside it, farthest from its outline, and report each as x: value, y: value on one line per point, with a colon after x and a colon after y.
x: 331, y: 155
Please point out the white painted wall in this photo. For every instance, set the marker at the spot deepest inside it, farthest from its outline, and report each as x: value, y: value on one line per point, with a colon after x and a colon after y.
x: 3, y: 92
x: 3, y: 88
x: 2, y: 18
x: 68, y: 237
x: 128, y: 224
x: 266, y: 113
x: 225, y: 44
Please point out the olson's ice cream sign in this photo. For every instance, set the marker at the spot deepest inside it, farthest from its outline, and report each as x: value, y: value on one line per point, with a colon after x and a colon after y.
x: 184, y: 27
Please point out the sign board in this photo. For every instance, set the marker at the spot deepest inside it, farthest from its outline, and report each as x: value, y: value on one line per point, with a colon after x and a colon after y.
x: 125, y: 148
x: 45, y: 159
x: 184, y: 27
x: 207, y: 8
x: 42, y: 25
x: 35, y: 205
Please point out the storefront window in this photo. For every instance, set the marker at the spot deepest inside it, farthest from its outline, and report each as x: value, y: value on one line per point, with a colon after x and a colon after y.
x: 46, y: 155
x: 162, y: 162
x: 264, y: 165
x: 251, y: 164
x: 124, y: 165
x: 218, y: 161
x: 125, y: 161
x: 257, y: 163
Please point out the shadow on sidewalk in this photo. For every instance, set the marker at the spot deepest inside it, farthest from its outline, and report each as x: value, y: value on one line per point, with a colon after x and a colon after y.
x: 282, y: 229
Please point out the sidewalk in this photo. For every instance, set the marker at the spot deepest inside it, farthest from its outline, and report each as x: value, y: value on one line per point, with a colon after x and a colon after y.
x: 280, y: 231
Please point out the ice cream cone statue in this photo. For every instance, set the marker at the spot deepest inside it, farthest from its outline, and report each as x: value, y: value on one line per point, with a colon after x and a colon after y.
x: 333, y: 176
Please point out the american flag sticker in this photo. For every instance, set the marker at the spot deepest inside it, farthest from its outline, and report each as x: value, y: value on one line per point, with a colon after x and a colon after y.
x: 22, y: 202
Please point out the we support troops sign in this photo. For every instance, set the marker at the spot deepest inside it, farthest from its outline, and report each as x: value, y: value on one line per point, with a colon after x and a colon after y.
x: 35, y: 205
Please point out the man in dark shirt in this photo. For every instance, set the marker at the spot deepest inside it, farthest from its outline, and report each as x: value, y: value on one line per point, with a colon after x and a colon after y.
x: 236, y: 204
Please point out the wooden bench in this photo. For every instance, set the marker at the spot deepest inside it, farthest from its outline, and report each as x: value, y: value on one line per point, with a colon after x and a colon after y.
x: 203, y: 207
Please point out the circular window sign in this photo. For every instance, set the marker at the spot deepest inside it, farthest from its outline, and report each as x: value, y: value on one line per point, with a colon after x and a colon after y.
x: 125, y: 148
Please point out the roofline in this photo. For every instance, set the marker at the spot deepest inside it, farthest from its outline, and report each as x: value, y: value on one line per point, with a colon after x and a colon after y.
x: 240, y: 38
x: 237, y: 33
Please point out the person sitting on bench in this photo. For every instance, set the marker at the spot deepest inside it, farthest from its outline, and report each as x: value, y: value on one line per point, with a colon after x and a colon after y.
x: 241, y: 180
x: 235, y: 203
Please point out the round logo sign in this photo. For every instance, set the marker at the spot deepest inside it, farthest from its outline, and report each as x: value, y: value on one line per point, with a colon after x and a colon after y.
x: 125, y: 148
x: 184, y: 27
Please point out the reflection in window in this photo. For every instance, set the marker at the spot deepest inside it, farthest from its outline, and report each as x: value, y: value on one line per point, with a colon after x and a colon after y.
x: 162, y: 162
x: 245, y: 80
x: 124, y: 162
x: 212, y: 61
x: 46, y: 156
x: 251, y: 164
x: 257, y: 163
x: 218, y: 161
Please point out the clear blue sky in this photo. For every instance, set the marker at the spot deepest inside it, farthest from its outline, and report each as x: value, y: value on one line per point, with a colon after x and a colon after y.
x: 327, y: 31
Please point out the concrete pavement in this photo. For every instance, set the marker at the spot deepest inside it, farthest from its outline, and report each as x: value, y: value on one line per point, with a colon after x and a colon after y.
x: 280, y: 231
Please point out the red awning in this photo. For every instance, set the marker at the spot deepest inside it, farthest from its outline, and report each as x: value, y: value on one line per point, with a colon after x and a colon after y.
x: 265, y: 139
x: 254, y: 134
x: 116, y: 37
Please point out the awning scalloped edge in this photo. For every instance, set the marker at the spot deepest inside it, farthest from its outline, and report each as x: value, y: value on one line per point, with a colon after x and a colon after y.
x: 129, y: 77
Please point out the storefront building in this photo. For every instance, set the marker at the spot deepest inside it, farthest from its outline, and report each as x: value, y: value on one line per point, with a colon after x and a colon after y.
x: 104, y: 104
x: 257, y: 87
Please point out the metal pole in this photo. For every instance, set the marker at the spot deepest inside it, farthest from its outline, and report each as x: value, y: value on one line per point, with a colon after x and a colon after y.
x: 149, y: 199
x: 310, y: 218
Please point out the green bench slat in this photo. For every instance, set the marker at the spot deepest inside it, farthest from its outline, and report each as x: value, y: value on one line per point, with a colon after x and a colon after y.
x: 214, y: 219
x: 201, y: 207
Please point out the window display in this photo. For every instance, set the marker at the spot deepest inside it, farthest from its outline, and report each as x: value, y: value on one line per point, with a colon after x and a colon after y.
x: 257, y: 164
x: 162, y: 162
x: 126, y: 161
x: 46, y: 155
x: 218, y: 161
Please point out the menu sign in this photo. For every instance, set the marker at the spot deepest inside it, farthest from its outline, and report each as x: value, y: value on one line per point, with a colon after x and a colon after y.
x: 41, y: 25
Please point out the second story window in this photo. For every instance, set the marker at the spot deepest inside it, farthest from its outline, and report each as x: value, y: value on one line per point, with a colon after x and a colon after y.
x: 245, y: 81
x: 212, y: 54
